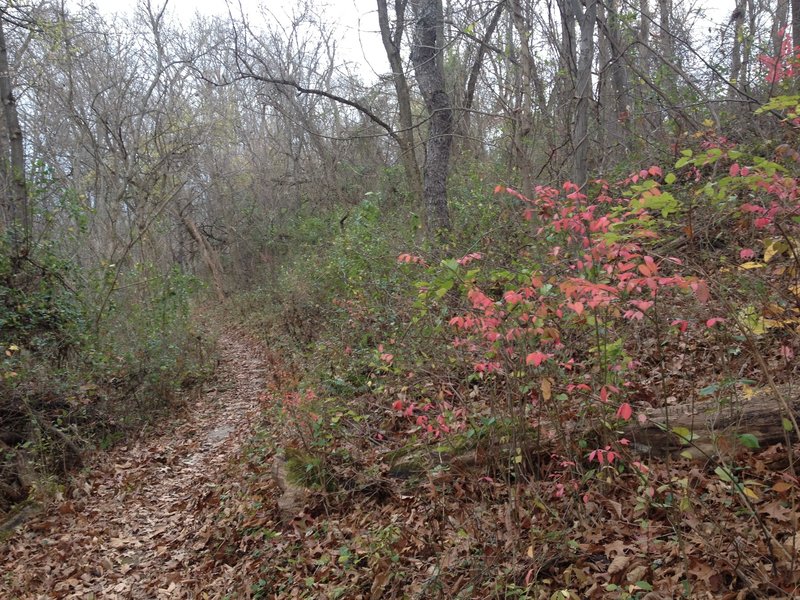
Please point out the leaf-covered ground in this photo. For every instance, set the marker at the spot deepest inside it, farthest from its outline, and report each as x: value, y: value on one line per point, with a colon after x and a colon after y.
x: 206, y: 508
x: 141, y: 522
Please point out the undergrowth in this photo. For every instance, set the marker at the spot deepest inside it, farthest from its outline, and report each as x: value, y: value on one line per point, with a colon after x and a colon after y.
x: 512, y: 388
x: 73, y: 378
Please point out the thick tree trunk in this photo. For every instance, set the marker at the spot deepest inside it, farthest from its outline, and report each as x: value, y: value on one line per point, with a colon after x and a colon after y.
x: 779, y: 25
x: 426, y: 55
x: 617, y: 98
x: 736, y: 53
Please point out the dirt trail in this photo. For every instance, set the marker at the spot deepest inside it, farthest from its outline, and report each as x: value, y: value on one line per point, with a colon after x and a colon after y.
x: 141, y: 524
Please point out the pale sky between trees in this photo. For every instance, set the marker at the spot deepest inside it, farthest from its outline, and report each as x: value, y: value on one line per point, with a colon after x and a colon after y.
x: 356, y: 20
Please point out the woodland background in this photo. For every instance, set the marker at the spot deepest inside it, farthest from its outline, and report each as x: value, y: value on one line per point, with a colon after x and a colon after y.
x: 499, y: 276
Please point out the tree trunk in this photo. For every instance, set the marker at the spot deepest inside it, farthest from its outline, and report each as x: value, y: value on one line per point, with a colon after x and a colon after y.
x: 475, y: 70
x: 583, y: 90
x: 565, y: 87
x: 779, y: 25
x: 209, y: 256
x: 736, y: 53
x: 426, y: 55
x: 618, y: 123
x: 12, y: 164
x: 391, y: 44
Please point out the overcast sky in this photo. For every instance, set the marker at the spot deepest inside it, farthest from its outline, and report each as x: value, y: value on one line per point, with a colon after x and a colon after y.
x: 356, y: 20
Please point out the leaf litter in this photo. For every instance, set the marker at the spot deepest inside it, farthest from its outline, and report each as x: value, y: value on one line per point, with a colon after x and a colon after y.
x: 141, y: 522
x: 196, y: 512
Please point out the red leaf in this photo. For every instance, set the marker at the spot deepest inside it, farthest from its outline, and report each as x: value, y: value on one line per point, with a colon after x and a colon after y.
x: 576, y: 306
x: 625, y: 412
x: 681, y: 323
x: 536, y: 358
x: 642, y: 305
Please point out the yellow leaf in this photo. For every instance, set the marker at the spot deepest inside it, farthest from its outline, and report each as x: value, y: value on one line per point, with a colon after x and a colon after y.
x: 774, y: 248
x: 752, y: 265
x: 530, y: 552
x: 748, y: 392
x: 750, y: 493
x: 795, y: 289
x: 753, y: 321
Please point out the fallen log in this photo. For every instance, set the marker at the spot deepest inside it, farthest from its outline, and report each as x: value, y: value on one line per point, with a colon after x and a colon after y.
x: 713, y: 425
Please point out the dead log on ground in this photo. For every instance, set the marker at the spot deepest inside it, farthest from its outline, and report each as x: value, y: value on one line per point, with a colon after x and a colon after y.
x: 714, y: 425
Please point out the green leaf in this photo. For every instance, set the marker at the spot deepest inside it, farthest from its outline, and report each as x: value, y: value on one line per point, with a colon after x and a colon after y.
x: 682, y: 162
x: 709, y: 389
x: 643, y: 585
x: 724, y: 475
x: 787, y: 424
x: 684, y: 434
x: 451, y: 264
x: 664, y: 202
x: 670, y: 178
x: 444, y: 288
x: 748, y: 440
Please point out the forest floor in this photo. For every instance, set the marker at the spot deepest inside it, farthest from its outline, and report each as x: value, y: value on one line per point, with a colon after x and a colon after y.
x: 140, y: 522
x: 202, y: 509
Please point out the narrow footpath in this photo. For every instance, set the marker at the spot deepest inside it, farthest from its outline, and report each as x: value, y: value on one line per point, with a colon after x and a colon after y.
x: 140, y: 525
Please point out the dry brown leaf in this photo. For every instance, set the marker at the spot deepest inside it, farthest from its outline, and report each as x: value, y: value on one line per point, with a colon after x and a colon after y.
x: 619, y: 564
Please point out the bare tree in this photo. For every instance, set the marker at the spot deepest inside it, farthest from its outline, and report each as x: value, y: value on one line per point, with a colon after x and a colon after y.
x: 392, y: 41
x: 426, y: 56
x: 13, y: 186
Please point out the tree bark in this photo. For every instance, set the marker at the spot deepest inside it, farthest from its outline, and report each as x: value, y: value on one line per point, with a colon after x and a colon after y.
x: 618, y: 115
x: 711, y: 425
x: 426, y: 56
x: 477, y: 65
x: 405, y: 137
x: 779, y: 25
x: 586, y: 18
x: 12, y: 169
x: 209, y: 256
x: 736, y: 53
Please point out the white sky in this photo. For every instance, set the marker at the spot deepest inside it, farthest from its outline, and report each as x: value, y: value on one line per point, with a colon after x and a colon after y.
x: 355, y: 20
